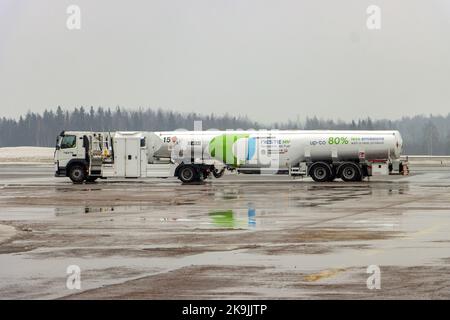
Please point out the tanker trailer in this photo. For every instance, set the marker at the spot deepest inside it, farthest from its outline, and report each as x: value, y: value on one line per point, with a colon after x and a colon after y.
x: 323, y: 155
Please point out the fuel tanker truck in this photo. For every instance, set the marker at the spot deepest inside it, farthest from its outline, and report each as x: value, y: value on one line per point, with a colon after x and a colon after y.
x: 193, y: 156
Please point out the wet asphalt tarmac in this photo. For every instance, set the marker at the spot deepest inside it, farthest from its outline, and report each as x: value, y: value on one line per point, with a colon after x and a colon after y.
x: 230, y: 238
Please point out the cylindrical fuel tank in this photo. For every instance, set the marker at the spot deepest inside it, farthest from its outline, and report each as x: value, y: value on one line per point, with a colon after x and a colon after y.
x: 280, y: 148
x: 348, y: 145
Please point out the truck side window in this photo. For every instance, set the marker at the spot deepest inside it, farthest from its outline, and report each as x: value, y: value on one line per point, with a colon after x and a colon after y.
x: 68, y: 142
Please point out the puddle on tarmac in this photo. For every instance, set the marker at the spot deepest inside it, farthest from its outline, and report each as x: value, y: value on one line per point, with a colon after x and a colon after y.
x: 243, y: 207
x: 309, y: 195
x: 232, y: 220
x: 228, y: 219
x: 63, y: 211
x: 45, y: 213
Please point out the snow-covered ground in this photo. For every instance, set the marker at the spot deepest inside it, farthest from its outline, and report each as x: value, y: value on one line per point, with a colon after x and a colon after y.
x: 26, y: 155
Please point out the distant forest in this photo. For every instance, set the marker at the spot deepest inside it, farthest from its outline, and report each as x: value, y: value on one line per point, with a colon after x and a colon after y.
x: 428, y: 135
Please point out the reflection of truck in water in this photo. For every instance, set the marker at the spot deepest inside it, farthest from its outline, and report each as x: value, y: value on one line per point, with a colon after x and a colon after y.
x: 196, y: 155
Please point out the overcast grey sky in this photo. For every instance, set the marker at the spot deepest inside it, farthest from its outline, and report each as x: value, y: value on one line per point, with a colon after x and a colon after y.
x: 269, y: 59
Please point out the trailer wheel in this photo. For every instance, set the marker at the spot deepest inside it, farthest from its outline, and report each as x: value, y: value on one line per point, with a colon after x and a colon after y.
x: 350, y: 172
x: 320, y: 172
x: 77, y: 174
x: 187, y: 174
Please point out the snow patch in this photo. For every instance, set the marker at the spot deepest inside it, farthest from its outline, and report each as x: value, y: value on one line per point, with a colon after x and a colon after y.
x: 26, y: 154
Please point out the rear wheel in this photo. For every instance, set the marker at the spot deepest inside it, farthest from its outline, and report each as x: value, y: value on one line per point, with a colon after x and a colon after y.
x: 320, y: 172
x: 77, y: 174
x: 350, y: 172
x: 187, y: 174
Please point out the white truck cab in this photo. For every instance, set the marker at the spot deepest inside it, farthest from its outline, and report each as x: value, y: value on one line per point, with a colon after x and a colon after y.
x: 70, y: 150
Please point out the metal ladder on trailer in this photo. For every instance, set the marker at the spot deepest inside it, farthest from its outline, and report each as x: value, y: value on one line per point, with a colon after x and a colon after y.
x: 95, y: 156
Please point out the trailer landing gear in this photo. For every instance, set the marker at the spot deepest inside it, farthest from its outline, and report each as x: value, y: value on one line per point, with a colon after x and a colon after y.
x: 218, y: 173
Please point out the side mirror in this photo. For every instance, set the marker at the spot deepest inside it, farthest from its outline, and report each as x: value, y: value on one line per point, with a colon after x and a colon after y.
x: 85, y: 142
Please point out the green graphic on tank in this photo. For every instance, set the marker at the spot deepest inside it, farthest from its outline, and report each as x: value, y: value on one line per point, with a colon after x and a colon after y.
x: 221, y: 147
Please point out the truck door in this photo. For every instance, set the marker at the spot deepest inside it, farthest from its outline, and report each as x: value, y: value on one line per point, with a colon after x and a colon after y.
x: 70, y: 147
x: 133, y: 159
x: 120, y: 156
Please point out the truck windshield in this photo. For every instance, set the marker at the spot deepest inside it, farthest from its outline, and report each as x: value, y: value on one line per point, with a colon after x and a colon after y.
x: 68, y: 142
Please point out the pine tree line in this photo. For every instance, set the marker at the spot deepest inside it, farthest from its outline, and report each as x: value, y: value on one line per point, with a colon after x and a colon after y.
x: 35, y: 129
x: 421, y: 134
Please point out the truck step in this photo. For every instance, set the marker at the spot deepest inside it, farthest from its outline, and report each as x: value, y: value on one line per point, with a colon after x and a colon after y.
x: 297, y: 171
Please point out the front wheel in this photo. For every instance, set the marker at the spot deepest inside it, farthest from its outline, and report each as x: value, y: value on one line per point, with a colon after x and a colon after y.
x: 77, y: 174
